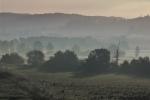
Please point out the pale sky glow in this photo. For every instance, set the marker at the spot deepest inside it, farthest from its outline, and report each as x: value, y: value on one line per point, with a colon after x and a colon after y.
x: 123, y: 8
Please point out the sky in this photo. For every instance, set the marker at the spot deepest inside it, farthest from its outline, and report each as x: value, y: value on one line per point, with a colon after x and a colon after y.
x: 119, y: 8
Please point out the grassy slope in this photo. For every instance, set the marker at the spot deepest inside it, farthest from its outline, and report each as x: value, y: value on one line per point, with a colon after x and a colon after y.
x: 64, y: 86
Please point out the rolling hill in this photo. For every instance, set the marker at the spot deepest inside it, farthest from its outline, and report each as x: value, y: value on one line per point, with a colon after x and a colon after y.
x: 14, y: 25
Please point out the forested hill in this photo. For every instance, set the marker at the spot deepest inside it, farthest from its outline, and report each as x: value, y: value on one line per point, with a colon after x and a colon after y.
x: 135, y: 31
x: 59, y: 24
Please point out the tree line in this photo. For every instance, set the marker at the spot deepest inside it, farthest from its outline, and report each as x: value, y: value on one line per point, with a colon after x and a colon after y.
x: 97, y: 62
x: 43, y: 43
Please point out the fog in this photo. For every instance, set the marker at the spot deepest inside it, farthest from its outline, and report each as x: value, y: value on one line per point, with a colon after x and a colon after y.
x: 67, y: 30
x: 92, y: 50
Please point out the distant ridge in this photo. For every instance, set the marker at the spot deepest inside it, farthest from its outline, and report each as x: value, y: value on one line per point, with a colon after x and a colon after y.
x: 14, y: 25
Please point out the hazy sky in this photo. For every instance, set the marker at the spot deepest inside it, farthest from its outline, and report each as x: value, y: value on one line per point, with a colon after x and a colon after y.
x: 125, y: 8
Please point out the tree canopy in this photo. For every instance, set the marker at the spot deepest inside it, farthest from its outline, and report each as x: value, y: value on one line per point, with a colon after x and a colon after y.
x: 12, y: 58
x: 35, y: 58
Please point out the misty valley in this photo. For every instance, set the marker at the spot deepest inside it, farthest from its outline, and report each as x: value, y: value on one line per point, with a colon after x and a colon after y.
x: 59, y: 56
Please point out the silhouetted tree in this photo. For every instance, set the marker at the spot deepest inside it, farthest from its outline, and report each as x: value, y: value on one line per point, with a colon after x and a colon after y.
x: 35, y: 58
x: 124, y: 67
x: 62, y: 61
x: 12, y: 58
x: 116, y: 52
x: 137, y: 67
x: 143, y: 67
x: 137, y: 51
x: 98, y: 61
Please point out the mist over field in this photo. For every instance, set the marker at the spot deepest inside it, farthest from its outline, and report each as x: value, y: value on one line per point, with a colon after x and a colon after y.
x: 58, y: 56
x: 74, y: 49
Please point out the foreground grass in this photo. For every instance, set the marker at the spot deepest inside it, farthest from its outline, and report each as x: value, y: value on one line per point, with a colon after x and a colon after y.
x: 64, y: 86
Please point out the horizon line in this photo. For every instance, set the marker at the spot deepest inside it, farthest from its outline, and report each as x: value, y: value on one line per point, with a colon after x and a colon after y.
x: 29, y: 13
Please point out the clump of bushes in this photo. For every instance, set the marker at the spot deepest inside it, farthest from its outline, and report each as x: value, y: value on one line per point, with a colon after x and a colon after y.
x: 98, y: 62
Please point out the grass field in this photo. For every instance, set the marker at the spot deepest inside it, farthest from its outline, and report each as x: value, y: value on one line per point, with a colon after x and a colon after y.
x: 36, y: 85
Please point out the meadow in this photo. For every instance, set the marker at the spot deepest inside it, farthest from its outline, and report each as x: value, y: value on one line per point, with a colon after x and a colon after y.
x: 32, y: 84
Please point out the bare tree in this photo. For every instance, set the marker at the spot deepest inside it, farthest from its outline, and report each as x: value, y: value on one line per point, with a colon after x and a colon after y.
x: 137, y: 51
x: 117, y: 53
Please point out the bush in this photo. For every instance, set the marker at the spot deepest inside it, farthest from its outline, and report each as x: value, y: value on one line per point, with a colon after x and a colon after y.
x: 12, y: 58
x: 35, y: 58
x: 62, y: 61
x: 97, y: 61
x: 138, y: 67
